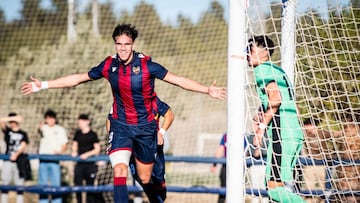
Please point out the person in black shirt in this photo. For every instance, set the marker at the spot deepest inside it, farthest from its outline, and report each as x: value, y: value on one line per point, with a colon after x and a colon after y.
x: 16, y: 141
x: 85, y: 144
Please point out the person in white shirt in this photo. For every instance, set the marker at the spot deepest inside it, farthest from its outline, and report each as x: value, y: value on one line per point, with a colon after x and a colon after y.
x: 53, y: 141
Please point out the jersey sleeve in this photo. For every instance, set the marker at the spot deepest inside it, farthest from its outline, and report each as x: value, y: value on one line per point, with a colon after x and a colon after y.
x: 95, y: 137
x: 76, y: 135
x: 223, y: 140
x: 64, y: 138
x: 157, y: 70
x: 96, y: 72
x: 25, y: 137
x: 162, y: 106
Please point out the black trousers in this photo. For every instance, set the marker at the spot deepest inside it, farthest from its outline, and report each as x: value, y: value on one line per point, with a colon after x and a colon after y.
x: 87, y: 172
x: 222, y: 183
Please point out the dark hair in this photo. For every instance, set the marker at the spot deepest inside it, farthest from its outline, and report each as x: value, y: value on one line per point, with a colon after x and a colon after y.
x: 126, y: 29
x: 12, y: 114
x: 84, y: 117
x: 311, y: 121
x: 262, y: 41
x: 50, y: 113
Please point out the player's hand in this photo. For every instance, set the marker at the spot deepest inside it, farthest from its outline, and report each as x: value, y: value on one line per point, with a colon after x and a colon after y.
x: 217, y: 92
x: 255, y: 124
x: 257, y: 142
x: 160, y: 138
x: 30, y: 87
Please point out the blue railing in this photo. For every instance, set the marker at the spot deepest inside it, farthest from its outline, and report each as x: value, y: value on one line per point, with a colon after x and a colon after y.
x: 51, y: 190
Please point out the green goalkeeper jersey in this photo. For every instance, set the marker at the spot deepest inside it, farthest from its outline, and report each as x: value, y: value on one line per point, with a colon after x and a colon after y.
x: 289, y: 124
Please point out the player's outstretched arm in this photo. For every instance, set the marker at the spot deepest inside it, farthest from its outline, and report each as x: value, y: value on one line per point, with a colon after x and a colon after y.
x: 36, y: 85
x: 168, y: 119
x: 217, y: 92
x: 188, y: 84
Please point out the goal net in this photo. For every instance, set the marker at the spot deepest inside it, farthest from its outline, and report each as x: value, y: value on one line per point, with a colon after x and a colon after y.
x: 326, y: 80
x: 53, y: 38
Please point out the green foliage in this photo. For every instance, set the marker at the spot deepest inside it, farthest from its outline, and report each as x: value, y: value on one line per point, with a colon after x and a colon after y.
x: 328, y: 57
x: 48, y: 26
x: 39, y: 48
x: 327, y: 60
x: 2, y: 17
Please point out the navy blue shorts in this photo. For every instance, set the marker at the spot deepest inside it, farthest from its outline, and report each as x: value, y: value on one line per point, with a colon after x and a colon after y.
x: 158, y: 172
x: 141, y: 140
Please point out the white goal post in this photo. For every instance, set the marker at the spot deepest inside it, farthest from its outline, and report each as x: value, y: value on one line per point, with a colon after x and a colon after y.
x: 236, y: 102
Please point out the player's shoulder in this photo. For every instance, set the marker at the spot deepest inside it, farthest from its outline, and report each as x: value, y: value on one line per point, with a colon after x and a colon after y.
x: 272, y: 66
x: 142, y: 56
x: 110, y: 58
x: 265, y: 65
x: 268, y: 68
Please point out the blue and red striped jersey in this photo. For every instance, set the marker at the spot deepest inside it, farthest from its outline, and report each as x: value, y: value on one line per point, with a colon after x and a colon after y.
x: 132, y: 87
x: 160, y: 107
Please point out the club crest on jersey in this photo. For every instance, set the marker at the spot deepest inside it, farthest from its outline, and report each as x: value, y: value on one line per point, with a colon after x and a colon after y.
x: 136, y: 69
x: 113, y: 69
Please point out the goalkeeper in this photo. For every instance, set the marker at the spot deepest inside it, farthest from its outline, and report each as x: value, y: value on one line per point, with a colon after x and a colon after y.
x: 278, y: 118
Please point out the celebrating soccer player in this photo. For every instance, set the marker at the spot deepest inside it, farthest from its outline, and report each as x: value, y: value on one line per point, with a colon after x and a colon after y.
x: 133, y: 126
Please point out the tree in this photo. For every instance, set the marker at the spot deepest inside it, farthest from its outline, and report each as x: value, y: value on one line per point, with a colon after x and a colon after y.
x: 147, y: 20
x: 31, y: 7
x: 2, y: 17
x: 211, y: 27
x: 355, y: 3
x: 107, y: 19
x: 216, y: 10
x: 59, y: 14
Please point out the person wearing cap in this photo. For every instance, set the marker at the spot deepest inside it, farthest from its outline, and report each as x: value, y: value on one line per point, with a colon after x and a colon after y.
x: 85, y: 144
x: 16, y: 142
x: 53, y: 142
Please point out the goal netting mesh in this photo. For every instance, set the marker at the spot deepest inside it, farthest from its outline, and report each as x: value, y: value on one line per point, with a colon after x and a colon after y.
x: 60, y: 38
x: 327, y: 91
